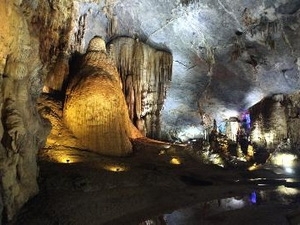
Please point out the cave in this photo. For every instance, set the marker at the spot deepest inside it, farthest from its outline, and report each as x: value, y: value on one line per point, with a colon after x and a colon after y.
x: 152, y: 112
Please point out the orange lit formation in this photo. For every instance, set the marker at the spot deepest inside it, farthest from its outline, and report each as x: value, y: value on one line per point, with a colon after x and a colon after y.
x: 95, y: 109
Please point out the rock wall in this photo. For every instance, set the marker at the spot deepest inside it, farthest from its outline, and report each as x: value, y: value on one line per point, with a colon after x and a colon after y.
x: 51, y: 22
x: 293, y: 119
x: 22, y: 131
x: 145, y: 73
x: 95, y: 109
x: 276, y: 119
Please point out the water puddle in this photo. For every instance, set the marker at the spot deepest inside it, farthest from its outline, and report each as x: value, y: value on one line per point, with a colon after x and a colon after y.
x: 282, y: 198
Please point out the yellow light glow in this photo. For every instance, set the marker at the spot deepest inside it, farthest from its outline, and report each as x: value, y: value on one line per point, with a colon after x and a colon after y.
x: 46, y: 89
x: 253, y: 167
x: 216, y: 160
x: 250, y: 151
x: 64, y: 159
x: 283, y: 159
x: 116, y: 168
x: 287, y: 191
x: 175, y: 161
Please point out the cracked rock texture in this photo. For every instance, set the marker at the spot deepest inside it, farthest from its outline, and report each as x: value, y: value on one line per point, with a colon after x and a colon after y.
x: 225, y: 58
x: 22, y: 130
x: 275, y: 119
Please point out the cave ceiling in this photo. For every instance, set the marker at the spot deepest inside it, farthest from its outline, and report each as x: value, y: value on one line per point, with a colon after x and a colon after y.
x: 227, y: 55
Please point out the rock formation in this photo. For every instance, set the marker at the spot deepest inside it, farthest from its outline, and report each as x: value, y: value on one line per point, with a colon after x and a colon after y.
x: 146, y: 73
x: 275, y: 120
x: 22, y: 131
x: 95, y: 109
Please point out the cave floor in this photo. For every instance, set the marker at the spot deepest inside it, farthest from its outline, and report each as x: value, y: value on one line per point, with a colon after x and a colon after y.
x: 79, y: 187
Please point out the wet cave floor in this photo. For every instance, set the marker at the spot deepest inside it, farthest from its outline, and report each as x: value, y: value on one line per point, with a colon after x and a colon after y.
x: 156, y: 185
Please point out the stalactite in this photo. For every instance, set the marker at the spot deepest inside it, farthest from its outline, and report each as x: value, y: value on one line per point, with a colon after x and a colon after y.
x: 79, y: 35
x: 111, y: 17
x: 150, y: 72
x: 58, y: 73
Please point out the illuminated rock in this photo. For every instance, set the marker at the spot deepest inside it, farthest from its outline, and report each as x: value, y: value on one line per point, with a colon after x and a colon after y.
x: 270, y: 123
x: 146, y: 73
x: 22, y: 131
x: 95, y: 109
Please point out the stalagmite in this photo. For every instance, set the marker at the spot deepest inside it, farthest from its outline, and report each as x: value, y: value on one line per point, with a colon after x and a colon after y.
x: 145, y: 73
x: 95, y: 108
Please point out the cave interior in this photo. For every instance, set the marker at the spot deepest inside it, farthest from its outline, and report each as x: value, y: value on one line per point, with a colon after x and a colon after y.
x: 152, y: 112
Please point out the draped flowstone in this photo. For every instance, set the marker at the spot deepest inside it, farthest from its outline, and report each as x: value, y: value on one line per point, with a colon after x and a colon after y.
x: 145, y: 73
x: 95, y: 109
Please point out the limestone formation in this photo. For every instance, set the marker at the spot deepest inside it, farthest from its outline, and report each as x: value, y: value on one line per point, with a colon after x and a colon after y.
x: 275, y: 120
x: 293, y: 119
x: 95, y: 109
x: 146, y: 74
x: 22, y: 131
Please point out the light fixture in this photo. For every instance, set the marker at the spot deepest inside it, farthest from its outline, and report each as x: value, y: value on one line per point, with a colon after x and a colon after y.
x: 253, y: 167
x: 115, y: 168
x: 175, y: 161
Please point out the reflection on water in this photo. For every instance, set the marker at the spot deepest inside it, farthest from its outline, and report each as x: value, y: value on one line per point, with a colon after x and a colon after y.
x: 197, y: 214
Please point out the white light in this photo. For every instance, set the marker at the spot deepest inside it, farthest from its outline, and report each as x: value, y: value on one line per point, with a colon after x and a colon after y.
x: 289, y: 170
x: 234, y: 126
x: 287, y: 191
x: 230, y: 113
x: 269, y: 137
x: 284, y: 160
x: 253, y: 97
x: 190, y: 133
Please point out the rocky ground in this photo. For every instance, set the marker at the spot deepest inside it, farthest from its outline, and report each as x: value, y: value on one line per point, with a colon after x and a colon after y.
x: 79, y: 187
x: 160, y: 183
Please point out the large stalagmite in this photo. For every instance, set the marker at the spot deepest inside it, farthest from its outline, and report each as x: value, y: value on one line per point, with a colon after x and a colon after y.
x: 95, y: 109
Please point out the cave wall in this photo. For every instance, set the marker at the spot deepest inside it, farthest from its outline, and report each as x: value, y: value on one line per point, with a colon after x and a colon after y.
x: 51, y: 23
x: 276, y: 119
x: 293, y: 119
x: 22, y: 131
x: 63, y: 28
x: 145, y: 73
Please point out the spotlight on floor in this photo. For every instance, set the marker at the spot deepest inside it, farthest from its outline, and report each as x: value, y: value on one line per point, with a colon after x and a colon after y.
x: 175, y: 161
x: 116, y: 168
